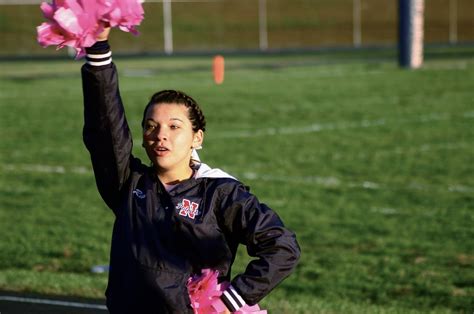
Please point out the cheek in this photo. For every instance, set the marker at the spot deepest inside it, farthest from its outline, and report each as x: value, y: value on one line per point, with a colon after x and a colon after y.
x: 185, y: 141
x: 146, y: 143
x: 182, y: 141
x: 147, y: 137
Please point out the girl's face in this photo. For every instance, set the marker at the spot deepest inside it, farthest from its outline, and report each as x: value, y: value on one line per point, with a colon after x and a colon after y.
x: 168, y: 138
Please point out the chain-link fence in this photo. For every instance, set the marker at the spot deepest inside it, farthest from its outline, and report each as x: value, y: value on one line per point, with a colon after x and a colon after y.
x: 223, y: 25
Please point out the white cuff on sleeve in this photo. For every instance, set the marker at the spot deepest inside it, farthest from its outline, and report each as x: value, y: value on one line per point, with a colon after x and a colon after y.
x: 99, y: 59
x: 232, y: 299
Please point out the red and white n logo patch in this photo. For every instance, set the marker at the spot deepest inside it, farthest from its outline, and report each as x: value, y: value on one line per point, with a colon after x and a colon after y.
x: 188, y: 208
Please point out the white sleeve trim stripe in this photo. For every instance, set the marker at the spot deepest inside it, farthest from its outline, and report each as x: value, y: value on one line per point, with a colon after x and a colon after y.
x: 98, y: 64
x: 231, y: 300
x: 99, y: 56
x: 237, y: 295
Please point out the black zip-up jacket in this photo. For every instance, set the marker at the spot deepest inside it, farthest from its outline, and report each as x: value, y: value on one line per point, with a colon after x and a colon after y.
x: 160, y: 238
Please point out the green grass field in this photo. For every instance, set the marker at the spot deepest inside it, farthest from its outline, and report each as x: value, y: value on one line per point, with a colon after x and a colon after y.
x: 371, y: 166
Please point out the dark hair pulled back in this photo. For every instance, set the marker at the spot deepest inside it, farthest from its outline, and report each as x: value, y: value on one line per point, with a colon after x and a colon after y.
x: 195, y: 114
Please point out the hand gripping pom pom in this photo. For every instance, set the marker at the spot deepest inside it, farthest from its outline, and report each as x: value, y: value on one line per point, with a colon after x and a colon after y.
x: 204, y: 293
x: 76, y: 23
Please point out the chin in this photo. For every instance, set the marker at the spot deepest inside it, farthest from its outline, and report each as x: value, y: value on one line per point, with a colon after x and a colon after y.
x: 160, y: 165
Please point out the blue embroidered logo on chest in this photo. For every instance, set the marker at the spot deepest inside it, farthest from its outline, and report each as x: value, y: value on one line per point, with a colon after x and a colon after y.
x: 188, y: 208
x: 138, y: 193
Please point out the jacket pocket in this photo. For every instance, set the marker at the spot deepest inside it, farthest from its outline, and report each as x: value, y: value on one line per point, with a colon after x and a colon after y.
x: 168, y: 288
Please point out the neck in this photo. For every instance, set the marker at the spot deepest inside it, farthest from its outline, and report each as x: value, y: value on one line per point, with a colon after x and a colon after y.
x: 174, y: 177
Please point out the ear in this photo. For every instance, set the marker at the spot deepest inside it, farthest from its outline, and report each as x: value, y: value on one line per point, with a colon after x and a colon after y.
x: 198, y: 139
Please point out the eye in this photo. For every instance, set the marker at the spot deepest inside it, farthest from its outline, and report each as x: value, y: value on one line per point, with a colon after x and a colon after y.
x: 149, y: 127
x: 174, y: 126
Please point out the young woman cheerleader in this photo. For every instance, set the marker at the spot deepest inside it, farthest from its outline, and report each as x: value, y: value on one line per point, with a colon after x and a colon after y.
x: 178, y: 216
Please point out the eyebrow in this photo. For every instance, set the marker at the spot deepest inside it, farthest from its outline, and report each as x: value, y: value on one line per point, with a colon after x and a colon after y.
x: 172, y: 119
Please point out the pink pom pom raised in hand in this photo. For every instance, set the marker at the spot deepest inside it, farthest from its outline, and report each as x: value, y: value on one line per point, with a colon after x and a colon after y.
x: 125, y: 14
x: 77, y: 23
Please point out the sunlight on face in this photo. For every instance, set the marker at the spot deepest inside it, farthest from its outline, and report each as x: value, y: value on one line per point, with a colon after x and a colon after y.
x: 168, y: 138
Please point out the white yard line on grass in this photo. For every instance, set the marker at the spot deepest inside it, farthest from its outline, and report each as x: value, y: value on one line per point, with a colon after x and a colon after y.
x: 46, y: 169
x: 53, y: 302
x: 400, y: 150
x: 333, y: 182
x: 318, y: 180
x: 426, y: 148
x: 319, y: 127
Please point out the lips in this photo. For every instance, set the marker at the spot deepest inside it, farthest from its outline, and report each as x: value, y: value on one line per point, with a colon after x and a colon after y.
x: 161, y: 151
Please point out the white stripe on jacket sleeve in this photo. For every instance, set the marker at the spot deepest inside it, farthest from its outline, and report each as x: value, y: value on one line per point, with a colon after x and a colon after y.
x: 99, y: 59
x: 232, y: 299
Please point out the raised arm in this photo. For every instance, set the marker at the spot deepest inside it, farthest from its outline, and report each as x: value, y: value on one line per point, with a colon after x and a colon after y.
x: 106, y: 133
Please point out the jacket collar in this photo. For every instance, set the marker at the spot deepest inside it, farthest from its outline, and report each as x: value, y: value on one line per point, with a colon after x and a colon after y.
x: 202, y: 172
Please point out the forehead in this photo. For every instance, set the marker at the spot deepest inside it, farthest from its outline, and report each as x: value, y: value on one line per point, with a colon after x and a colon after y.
x: 167, y: 111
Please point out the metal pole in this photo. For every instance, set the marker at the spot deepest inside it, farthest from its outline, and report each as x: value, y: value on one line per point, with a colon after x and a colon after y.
x: 453, y: 21
x: 357, y: 27
x: 411, y: 19
x: 262, y: 21
x: 167, y: 27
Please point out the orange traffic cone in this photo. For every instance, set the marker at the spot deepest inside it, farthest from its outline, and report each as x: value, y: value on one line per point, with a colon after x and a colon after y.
x: 218, y: 69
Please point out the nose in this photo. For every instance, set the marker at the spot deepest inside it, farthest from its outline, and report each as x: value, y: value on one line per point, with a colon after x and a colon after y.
x: 161, y: 134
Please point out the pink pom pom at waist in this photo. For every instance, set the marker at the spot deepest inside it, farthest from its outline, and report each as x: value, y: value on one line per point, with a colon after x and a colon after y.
x: 205, y: 291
